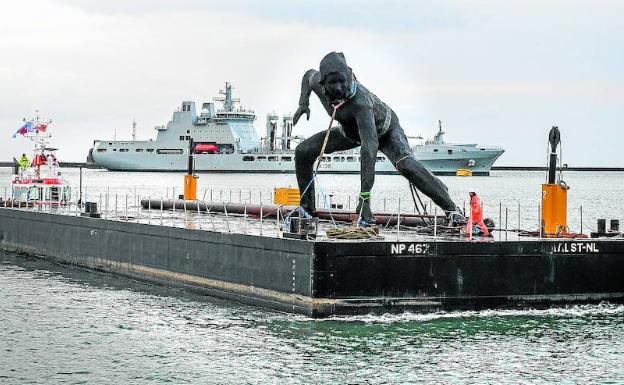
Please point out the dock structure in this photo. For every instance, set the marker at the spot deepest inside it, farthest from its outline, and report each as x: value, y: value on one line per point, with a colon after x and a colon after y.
x: 247, y: 259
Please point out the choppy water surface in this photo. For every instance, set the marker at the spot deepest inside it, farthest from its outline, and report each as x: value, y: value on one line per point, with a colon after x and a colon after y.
x: 69, y: 326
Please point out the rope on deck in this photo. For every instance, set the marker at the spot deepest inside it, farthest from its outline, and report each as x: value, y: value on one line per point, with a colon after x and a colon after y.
x: 354, y: 233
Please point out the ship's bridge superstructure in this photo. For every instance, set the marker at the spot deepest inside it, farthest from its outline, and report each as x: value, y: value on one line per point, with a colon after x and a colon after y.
x: 230, y: 129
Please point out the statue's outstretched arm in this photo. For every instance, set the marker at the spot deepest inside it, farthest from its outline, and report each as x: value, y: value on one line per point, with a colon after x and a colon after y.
x: 309, y: 81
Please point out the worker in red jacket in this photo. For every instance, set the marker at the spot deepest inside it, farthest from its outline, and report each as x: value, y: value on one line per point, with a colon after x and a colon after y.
x: 475, y: 220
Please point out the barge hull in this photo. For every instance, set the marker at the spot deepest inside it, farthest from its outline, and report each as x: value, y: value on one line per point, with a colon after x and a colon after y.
x: 325, y: 278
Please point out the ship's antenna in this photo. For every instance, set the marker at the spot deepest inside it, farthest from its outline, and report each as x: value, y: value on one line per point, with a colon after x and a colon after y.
x: 133, y: 129
x: 227, y: 99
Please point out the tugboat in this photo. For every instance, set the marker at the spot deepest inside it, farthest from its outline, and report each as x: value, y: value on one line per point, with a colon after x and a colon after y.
x: 38, y: 180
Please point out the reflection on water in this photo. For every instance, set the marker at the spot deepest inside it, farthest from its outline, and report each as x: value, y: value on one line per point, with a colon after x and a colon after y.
x: 62, y: 325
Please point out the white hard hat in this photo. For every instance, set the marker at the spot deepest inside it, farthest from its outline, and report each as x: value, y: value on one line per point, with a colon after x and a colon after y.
x: 472, y: 189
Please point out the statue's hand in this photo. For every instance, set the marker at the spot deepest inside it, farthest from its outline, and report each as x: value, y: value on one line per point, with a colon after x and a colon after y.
x: 303, y: 109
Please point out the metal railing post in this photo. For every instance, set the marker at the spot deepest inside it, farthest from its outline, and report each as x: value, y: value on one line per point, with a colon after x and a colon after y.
x: 500, y: 219
x: 199, y: 219
x: 261, y: 218
x: 539, y: 219
x: 185, y: 219
x: 581, y: 209
x: 277, y: 222
x: 435, y: 224
x: 399, y: 219
x: 227, y: 221
x: 506, y: 223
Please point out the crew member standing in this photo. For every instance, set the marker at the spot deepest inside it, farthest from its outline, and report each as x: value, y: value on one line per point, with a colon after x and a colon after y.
x: 476, y: 216
x: 23, y: 162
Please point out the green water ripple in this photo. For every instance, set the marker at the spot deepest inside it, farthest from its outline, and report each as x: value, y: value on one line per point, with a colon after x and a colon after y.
x: 67, y: 326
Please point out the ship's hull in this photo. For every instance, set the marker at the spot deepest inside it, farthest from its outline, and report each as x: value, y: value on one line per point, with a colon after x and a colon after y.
x: 284, y: 163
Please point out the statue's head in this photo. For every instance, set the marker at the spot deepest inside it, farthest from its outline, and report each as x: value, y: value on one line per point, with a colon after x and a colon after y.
x: 336, y: 76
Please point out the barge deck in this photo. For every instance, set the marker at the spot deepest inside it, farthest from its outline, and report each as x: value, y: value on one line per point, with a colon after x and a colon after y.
x: 247, y: 260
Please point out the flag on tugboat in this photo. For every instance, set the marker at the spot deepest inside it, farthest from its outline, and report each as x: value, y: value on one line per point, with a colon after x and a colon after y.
x: 41, y: 127
x: 27, y: 127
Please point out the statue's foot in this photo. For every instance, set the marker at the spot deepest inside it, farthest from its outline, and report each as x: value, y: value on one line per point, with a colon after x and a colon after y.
x: 303, y: 213
x: 365, y: 223
x: 455, y: 218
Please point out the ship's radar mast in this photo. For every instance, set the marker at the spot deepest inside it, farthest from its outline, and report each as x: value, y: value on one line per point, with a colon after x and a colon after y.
x: 439, y: 136
x: 226, y: 99
x: 133, y: 129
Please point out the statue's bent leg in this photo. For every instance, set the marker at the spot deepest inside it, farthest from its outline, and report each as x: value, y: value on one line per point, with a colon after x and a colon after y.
x: 396, y: 147
x: 305, y: 155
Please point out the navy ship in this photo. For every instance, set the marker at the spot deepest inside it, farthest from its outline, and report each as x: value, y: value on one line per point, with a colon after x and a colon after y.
x: 226, y: 141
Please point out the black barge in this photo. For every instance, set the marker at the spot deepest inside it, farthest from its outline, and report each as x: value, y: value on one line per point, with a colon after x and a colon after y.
x: 326, y: 277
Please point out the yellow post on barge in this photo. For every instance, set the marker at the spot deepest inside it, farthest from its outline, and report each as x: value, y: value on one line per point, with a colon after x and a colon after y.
x: 554, y: 213
x: 190, y: 179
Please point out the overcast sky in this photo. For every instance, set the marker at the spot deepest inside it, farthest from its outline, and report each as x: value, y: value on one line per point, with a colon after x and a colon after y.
x: 495, y: 72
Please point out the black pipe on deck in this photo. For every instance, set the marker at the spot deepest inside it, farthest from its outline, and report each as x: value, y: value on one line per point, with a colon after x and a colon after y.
x: 270, y: 211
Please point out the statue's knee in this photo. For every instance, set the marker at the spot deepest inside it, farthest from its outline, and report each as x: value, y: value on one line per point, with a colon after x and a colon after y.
x: 409, y: 165
x: 303, y: 154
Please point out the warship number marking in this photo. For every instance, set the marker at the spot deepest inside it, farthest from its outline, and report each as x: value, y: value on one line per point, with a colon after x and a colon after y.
x: 409, y: 248
x: 574, y: 247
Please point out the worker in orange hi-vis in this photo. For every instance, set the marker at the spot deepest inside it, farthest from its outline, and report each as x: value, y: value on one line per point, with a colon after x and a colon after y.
x: 475, y: 220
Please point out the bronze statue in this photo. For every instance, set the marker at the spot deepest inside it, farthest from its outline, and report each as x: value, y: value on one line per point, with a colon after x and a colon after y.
x: 365, y: 121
